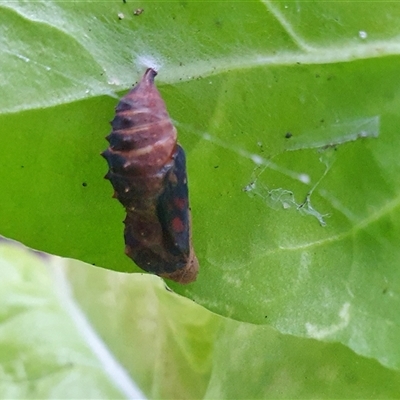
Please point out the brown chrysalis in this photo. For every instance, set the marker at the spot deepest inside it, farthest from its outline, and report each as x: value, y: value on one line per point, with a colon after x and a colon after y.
x: 147, y: 169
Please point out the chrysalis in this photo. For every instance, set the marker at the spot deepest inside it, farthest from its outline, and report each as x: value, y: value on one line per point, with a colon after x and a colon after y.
x: 147, y: 169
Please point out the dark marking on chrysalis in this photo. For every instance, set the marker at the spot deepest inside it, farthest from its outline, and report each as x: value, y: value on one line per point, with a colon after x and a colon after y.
x: 147, y: 169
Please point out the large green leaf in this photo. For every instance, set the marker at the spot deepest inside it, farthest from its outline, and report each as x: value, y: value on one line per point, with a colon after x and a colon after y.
x: 288, y: 113
x: 69, y: 330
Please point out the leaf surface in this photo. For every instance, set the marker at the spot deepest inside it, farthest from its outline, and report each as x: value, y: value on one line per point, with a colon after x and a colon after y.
x: 70, y: 330
x: 288, y: 113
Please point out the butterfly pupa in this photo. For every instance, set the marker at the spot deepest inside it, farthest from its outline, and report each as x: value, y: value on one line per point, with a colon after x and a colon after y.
x: 147, y: 168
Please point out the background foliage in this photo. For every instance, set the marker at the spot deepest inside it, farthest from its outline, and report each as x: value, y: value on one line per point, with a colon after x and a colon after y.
x: 288, y: 112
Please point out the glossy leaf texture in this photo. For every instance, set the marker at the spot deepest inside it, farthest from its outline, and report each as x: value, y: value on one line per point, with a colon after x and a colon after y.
x: 288, y: 113
x: 57, y: 342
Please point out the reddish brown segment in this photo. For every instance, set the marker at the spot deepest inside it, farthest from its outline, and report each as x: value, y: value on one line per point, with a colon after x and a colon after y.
x: 148, y: 173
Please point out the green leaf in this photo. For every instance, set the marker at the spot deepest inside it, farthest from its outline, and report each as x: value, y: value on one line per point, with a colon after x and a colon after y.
x: 288, y: 112
x: 48, y: 350
x: 70, y: 330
